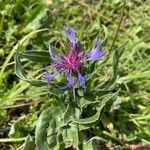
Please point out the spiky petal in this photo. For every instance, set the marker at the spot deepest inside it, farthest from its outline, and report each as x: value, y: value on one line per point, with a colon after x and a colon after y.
x: 96, y: 53
x: 47, y: 76
x: 82, y: 80
x: 69, y: 84
x: 70, y: 34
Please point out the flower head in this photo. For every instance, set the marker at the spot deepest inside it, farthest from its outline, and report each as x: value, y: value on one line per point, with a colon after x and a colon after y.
x: 71, y: 65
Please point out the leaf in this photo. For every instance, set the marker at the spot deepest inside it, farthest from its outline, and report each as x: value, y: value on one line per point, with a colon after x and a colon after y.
x: 3, y: 114
x: 21, y: 74
x: 116, y: 57
x: 47, y: 120
x: 34, y: 18
x: 52, y: 133
x: 89, y: 120
x: 116, y: 104
x: 83, y: 102
x: 135, y: 76
x: 18, y: 69
x: 14, y: 130
x: 70, y: 136
x: 21, y: 42
x: 95, y: 118
x: 104, y: 42
x: 68, y: 114
x: 91, y: 144
x: 38, y: 83
x: 36, y: 56
x: 29, y: 143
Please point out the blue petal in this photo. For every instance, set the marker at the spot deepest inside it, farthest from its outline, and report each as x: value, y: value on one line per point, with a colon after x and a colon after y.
x: 69, y: 32
x: 69, y: 84
x: 47, y: 76
x: 96, y: 53
x: 82, y: 80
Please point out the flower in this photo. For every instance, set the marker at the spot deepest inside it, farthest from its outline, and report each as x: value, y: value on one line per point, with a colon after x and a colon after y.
x: 71, y: 65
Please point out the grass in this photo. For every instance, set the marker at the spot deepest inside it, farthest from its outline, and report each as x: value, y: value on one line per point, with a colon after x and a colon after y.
x: 21, y: 103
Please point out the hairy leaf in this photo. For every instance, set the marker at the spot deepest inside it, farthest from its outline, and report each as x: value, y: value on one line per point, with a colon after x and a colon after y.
x: 95, y: 118
x: 29, y: 143
x: 21, y: 74
x: 47, y: 121
x: 36, y: 56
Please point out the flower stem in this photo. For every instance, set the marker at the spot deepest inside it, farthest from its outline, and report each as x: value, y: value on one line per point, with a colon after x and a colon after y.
x: 120, y: 22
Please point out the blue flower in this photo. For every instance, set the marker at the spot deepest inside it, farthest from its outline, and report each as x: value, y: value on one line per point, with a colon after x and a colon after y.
x: 71, y: 64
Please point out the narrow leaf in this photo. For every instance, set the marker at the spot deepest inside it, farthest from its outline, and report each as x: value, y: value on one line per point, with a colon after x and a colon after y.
x: 21, y: 74
x: 36, y: 56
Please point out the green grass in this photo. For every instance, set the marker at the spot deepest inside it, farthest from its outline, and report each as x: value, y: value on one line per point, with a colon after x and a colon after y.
x: 21, y: 104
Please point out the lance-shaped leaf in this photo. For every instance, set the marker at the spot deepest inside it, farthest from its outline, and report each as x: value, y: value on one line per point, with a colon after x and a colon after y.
x: 39, y: 56
x: 21, y: 74
x: 116, y: 57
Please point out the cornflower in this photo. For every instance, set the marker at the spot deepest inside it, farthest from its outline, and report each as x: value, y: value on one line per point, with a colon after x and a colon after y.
x: 71, y: 64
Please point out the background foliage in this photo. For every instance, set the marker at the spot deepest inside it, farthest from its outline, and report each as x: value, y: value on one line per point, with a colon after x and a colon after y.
x: 123, y: 122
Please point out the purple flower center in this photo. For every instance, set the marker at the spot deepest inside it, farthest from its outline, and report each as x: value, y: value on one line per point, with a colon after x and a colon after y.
x: 70, y: 63
x: 73, y: 61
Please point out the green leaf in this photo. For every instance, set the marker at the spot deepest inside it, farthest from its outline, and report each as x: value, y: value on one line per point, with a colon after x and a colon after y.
x: 68, y: 114
x: 38, y: 56
x: 116, y: 104
x: 70, y: 136
x: 21, y: 74
x: 116, y: 57
x: 14, y: 130
x: 18, y: 69
x: 29, y: 143
x: 91, y: 144
x: 89, y: 120
x: 95, y: 118
x: 47, y: 121
x: 21, y: 42
x: 52, y: 133
x: 134, y: 76
x: 37, y: 83
x: 33, y: 18
x: 88, y: 146
x: 3, y: 114
x: 83, y: 102
x: 104, y: 42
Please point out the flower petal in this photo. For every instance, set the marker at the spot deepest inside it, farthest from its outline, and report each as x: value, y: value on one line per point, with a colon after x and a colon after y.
x: 82, y: 80
x: 47, y: 76
x: 69, y: 84
x: 69, y: 32
x: 96, y: 53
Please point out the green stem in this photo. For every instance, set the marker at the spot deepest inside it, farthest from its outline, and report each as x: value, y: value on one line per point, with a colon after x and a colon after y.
x: 120, y: 22
x: 12, y: 140
x: 117, y: 31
